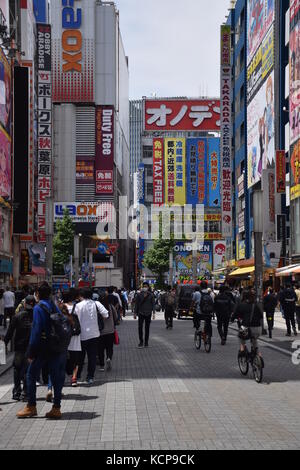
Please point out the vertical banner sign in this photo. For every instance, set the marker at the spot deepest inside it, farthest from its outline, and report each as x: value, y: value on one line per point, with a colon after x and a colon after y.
x: 175, y: 171
x: 272, y: 197
x: 202, y: 171
x: 158, y: 171
x: 104, y: 164
x: 180, y: 192
x: 294, y: 99
x: 141, y: 200
x: 226, y: 187
x: 280, y: 171
x: 192, y: 171
x: 44, y: 125
x: 214, y: 172
x: 170, y: 171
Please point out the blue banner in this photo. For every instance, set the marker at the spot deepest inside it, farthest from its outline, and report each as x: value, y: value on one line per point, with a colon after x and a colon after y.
x: 141, y: 200
x: 214, y: 183
x: 40, y: 11
x: 196, y: 171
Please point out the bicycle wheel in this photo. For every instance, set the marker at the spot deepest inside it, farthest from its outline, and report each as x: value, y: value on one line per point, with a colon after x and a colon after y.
x: 197, y: 340
x: 257, y: 369
x: 207, y: 344
x: 243, y: 364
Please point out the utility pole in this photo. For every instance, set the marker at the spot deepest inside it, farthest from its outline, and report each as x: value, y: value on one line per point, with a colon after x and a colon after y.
x: 171, y: 267
x: 76, y: 259
x: 90, y: 268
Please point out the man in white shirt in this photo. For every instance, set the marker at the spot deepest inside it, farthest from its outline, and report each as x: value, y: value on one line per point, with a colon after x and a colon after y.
x: 88, y: 311
x: 9, y: 305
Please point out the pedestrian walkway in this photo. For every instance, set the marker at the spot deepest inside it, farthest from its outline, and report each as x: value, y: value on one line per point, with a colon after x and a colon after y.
x: 169, y: 396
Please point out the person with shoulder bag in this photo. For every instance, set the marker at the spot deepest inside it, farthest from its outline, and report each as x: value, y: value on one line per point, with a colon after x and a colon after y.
x: 223, y: 306
x: 91, y: 315
x: 144, y: 309
x: 107, y: 336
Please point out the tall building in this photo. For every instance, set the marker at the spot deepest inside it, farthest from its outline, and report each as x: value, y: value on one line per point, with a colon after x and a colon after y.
x: 180, y: 165
x: 259, y: 138
x: 91, y: 122
x: 136, y: 130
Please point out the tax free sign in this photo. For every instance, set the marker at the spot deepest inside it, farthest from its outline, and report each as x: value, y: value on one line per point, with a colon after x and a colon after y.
x: 73, y: 50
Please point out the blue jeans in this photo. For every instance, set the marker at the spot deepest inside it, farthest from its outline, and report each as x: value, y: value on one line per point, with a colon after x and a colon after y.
x: 57, y: 367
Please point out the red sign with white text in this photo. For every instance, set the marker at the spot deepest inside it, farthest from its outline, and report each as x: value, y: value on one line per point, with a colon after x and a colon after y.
x: 158, y: 171
x: 182, y: 115
x: 280, y: 171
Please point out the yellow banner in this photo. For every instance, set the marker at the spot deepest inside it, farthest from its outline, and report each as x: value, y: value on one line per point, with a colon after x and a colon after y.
x: 175, y: 174
x: 295, y: 192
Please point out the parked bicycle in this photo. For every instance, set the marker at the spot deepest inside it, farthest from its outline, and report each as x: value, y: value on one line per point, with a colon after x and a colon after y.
x: 252, y: 358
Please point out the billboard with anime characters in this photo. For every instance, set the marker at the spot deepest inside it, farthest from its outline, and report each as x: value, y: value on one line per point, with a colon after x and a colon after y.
x: 294, y: 103
x: 261, y: 132
x: 5, y: 164
x: 259, y: 20
x: 183, y: 257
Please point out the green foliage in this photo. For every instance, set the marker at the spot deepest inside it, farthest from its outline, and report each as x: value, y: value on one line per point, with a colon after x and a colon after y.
x: 157, y: 258
x: 63, y: 243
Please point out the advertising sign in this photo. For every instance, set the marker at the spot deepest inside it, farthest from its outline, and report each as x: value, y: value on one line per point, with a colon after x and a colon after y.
x: 4, y: 7
x: 219, y: 254
x: 241, y: 185
x: 294, y: 98
x: 175, y: 171
x: 261, y: 65
x: 44, y: 125
x: 183, y: 257
x: 259, y: 19
x: 272, y: 197
x: 85, y: 171
x: 295, y: 170
x: 214, y: 172
x: 37, y: 254
x: 241, y: 249
x: 197, y: 173
x: 73, y: 51
x: 40, y: 10
x: 83, y: 212
x: 5, y: 164
x: 140, y: 214
x: 5, y: 98
x: 182, y: 115
x: 158, y: 171
x: 225, y: 158
x: 281, y: 227
x: 104, y: 163
x: 261, y: 132
x: 280, y: 171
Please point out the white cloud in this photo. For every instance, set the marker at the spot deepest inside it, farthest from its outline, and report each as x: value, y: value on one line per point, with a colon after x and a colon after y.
x: 173, y: 45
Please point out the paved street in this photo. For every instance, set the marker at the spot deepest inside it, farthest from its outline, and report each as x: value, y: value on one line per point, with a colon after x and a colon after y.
x: 167, y: 397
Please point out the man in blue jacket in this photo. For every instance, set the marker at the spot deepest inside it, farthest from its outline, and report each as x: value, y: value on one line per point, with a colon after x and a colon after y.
x: 37, y: 356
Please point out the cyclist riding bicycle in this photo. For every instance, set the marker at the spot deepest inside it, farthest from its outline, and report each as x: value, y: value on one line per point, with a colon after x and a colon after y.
x: 203, y: 306
x: 251, y: 318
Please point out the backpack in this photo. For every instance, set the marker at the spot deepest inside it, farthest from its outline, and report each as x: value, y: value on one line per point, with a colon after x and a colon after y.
x: 170, y: 300
x: 206, y: 304
x: 60, y: 332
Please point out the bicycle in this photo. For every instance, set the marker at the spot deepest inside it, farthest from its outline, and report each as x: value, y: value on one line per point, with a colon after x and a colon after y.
x: 256, y: 361
x: 200, y: 336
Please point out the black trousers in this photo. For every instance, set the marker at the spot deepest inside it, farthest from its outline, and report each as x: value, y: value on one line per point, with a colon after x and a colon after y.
x: 89, y: 347
x: 223, y: 323
x: 147, y: 320
x: 20, y: 369
x: 169, y: 314
x: 8, y: 313
x: 207, y: 322
x: 298, y: 316
x: 105, y: 343
x: 270, y: 319
x: 290, y: 320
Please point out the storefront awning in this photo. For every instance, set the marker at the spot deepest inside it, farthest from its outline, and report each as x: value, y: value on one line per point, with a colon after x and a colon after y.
x: 243, y: 271
x: 288, y: 270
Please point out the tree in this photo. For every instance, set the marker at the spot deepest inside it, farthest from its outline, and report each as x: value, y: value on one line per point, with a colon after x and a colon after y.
x: 63, y: 243
x: 157, y: 258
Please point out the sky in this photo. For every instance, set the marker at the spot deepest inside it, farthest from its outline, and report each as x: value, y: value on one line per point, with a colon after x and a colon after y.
x: 173, y: 46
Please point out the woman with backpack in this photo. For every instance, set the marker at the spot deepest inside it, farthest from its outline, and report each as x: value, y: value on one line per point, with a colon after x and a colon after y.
x: 107, y: 337
x: 170, y: 306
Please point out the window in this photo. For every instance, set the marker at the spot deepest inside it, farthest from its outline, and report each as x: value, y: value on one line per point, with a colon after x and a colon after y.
x: 147, y: 152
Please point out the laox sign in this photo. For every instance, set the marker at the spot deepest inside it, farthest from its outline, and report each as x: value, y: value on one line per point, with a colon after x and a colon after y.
x: 71, y: 37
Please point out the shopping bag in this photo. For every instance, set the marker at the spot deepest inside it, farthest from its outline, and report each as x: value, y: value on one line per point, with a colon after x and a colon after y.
x: 2, y: 353
x: 116, y: 338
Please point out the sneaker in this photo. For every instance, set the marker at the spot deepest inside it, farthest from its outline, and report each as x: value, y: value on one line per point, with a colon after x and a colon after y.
x: 288, y: 334
x: 90, y: 381
x: 73, y: 382
x: 27, y: 412
x: 55, y: 413
x: 38, y: 384
x: 141, y: 345
x: 295, y: 332
x: 223, y: 342
x: 146, y: 345
x: 108, y: 364
x: 16, y: 397
x: 102, y: 368
x: 49, y: 396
